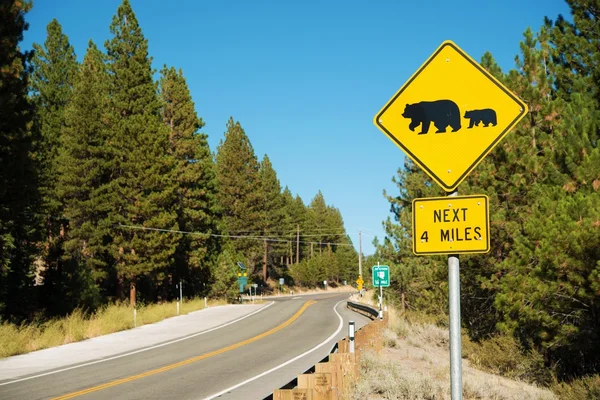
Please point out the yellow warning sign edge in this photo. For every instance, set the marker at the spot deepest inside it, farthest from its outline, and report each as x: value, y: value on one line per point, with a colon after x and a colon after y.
x: 452, y: 187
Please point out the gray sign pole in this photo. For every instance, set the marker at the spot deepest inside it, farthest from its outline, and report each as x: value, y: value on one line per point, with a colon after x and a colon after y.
x: 351, y: 335
x: 455, y: 343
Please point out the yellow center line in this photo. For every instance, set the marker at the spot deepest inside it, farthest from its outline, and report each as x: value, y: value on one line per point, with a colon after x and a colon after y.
x: 189, y: 360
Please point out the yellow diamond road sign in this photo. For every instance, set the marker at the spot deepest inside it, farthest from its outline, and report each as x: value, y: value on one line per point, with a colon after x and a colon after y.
x: 449, y: 115
x: 451, y: 225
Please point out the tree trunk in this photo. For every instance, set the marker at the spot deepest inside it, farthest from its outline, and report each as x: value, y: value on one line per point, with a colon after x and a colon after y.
x: 403, y: 306
x: 132, y: 294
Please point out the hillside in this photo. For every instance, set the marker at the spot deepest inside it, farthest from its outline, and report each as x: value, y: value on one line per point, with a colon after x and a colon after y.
x: 414, y: 364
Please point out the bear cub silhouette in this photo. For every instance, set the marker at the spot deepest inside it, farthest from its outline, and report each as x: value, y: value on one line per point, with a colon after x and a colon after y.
x: 486, y: 116
x: 442, y: 113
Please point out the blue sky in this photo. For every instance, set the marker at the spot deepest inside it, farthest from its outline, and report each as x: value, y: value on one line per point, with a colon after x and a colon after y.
x: 306, y: 78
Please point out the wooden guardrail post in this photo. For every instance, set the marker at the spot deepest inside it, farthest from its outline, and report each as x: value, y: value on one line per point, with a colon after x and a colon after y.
x: 293, y: 394
x: 320, y: 383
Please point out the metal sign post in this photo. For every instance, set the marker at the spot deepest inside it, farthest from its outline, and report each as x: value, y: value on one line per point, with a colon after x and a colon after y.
x: 381, y: 278
x: 380, y: 302
x: 455, y: 342
x: 351, y: 335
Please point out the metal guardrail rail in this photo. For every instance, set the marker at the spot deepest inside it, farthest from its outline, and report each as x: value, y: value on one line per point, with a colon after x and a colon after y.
x: 365, y: 309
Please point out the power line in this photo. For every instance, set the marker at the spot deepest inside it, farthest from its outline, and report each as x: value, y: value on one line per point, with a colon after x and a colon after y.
x: 261, y: 238
x: 324, y: 232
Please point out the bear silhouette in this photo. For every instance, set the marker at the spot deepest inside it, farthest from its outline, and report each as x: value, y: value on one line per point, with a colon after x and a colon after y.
x: 486, y: 116
x: 442, y: 113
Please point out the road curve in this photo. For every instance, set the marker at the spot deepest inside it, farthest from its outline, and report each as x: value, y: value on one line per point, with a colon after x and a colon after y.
x: 242, y: 360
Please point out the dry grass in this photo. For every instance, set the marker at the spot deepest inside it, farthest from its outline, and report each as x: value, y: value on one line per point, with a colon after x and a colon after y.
x: 77, y: 326
x: 415, y: 365
x: 382, y: 379
x: 417, y: 334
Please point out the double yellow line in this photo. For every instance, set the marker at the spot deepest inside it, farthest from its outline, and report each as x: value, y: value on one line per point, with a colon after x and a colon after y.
x: 189, y: 360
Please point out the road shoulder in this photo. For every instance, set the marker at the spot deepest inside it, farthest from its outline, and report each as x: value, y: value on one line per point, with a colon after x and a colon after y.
x: 120, y: 344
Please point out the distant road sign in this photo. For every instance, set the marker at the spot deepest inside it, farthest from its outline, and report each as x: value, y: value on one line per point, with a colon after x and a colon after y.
x: 242, y: 281
x: 381, y: 275
x: 451, y: 225
x: 359, y: 283
x: 449, y: 115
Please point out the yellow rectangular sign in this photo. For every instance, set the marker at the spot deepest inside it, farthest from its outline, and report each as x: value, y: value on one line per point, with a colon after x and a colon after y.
x: 451, y: 225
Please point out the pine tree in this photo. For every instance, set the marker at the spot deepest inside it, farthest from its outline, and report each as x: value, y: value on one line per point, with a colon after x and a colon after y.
x: 347, y: 261
x: 290, y: 219
x: 317, y: 223
x: 19, y: 195
x: 224, y: 281
x: 240, y: 191
x: 197, y: 208
x: 54, y: 71
x: 272, y: 211
x: 346, y: 257
x: 419, y: 282
x: 142, y: 189
x: 301, y: 218
x: 84, y: 147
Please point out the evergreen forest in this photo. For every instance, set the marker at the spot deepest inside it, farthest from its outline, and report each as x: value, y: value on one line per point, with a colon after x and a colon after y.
x: 109, y: 186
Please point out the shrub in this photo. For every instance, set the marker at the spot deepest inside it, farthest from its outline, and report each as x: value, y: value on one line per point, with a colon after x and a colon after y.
x: 504, y: 356
x: 586, y: 388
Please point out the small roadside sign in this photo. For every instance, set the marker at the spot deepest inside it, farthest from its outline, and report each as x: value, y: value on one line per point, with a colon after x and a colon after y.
x: 451, y: 225
x: 242, y: 281
x: 359, y: 283
x: 381, y: 276
x: 449, y: 115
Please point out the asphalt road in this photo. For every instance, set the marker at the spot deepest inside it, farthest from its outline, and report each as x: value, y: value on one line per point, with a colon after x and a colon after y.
x: 244, y: 360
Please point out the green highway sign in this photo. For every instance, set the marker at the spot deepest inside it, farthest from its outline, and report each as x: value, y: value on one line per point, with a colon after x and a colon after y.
x: 381, y: 275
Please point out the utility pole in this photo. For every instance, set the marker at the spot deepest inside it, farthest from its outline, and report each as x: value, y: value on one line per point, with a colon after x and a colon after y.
x: 298, y: 244
x: 311, y: 249
x: 265, y: 261
x: 360, y: 253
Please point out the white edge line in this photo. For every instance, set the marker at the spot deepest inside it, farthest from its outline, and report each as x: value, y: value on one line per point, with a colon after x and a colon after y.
x: 140, y: 350
x: 213, y: 396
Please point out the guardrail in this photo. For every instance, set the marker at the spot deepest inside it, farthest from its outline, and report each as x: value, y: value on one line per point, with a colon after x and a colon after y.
x: 364, y: 309
x: 334, y: 376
